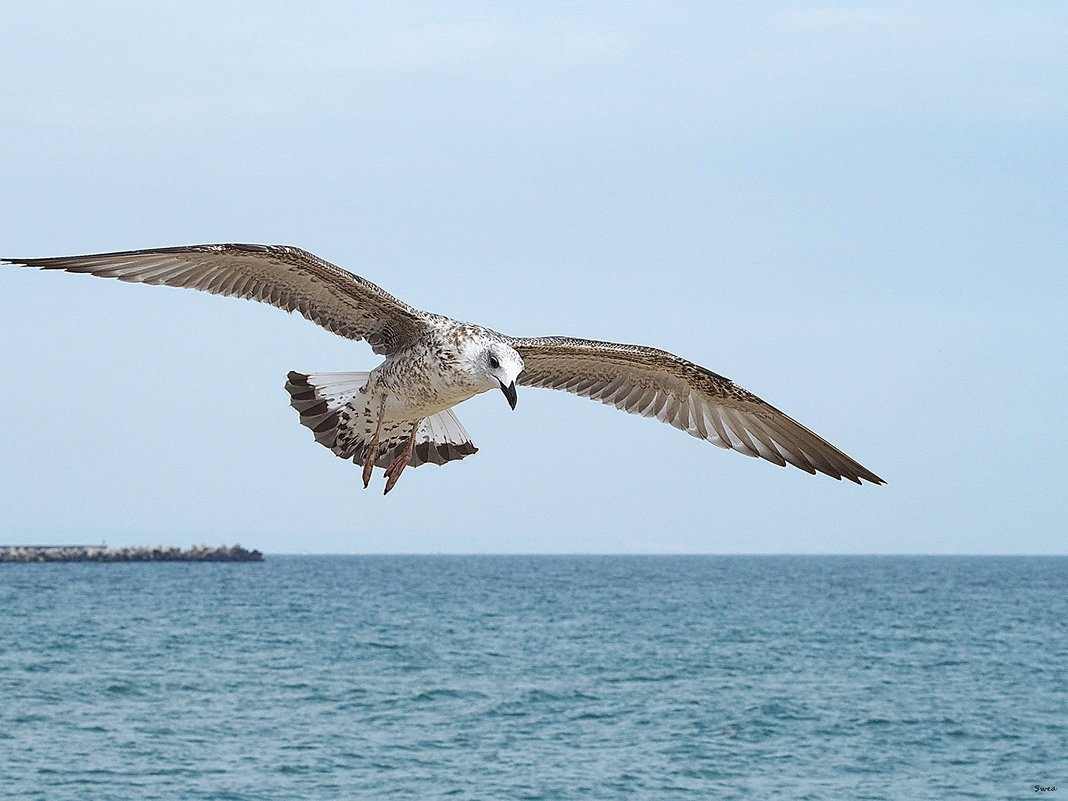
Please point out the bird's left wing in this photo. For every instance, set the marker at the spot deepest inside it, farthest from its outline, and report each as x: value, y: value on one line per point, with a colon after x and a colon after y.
x: 287, y: 277
x: 655, y: 383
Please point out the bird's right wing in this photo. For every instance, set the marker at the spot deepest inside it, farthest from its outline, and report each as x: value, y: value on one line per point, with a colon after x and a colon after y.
x: 655, y: 383
x: 287, y: 277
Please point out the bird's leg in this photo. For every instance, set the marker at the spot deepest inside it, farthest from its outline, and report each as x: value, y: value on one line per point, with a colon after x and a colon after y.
x: 396, y: 467
x: 371, y: 455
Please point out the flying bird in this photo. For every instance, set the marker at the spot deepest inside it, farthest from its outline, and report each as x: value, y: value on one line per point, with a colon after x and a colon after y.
x: 400, y: 413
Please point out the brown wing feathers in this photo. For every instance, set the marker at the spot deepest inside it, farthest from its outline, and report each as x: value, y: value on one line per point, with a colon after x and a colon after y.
x: 287, y: 277
x: 655, y: 383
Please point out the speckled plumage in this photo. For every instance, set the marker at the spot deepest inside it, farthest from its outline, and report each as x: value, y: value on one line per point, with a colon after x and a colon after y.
x: 434, y: 363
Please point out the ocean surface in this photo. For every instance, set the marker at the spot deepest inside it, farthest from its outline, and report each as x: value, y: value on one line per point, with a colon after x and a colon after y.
x: 571, y: 677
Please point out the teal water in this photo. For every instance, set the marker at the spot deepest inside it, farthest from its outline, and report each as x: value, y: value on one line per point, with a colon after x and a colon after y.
x: 536, y: 678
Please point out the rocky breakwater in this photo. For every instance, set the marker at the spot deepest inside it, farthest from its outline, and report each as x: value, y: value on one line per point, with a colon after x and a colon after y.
x: 141, y: 553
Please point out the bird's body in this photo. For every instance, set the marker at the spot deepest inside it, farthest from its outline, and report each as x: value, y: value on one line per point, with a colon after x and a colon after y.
x: 408, y: 395
x: 399, y: 413
x: 420, y: 380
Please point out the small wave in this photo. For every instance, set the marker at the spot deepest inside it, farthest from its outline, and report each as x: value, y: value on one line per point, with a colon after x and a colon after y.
x: 447, y: 694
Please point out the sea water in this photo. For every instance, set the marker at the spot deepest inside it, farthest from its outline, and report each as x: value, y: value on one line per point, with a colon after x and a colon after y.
x: 545, y: 677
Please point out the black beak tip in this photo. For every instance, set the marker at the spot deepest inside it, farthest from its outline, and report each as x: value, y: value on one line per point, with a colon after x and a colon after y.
x: 510, y: 393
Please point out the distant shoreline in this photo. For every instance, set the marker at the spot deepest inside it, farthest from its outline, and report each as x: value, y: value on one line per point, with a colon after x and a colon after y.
x: 20, y: 554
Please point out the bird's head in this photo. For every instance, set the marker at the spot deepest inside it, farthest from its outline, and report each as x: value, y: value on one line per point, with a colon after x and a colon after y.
x: 496, y: 366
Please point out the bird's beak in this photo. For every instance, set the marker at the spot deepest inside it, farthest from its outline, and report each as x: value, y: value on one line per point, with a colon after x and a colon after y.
x: 509, y: 392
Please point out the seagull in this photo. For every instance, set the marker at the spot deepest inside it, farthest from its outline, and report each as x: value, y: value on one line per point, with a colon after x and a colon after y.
x: 400, y: 413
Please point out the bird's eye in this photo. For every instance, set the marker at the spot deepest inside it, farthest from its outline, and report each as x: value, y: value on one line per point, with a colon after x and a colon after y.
x: 493, y: 362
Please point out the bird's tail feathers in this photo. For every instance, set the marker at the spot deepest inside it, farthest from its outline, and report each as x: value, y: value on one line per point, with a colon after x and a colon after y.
x: 331, y: 405
x: 442, y: 438
x: 323, y: 400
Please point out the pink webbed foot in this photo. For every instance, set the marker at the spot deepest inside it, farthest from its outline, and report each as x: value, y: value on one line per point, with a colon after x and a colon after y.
x: 396, y: 467
x: 371, y: 456
x: 369, y: 460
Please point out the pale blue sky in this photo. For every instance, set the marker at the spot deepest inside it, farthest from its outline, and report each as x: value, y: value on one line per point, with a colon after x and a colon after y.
x: 857, y: 211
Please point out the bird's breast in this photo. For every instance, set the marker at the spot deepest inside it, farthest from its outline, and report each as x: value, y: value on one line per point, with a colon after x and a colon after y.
x: 419, y: 384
